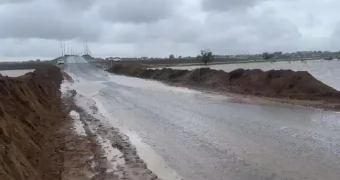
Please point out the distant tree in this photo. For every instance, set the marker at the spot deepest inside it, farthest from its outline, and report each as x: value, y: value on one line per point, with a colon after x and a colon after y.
x: 279, y: 53
x: 329, y: 58
x: 198, y: 57
x: 171, y: 56
x: 206, y: 56
x: 267, y: 56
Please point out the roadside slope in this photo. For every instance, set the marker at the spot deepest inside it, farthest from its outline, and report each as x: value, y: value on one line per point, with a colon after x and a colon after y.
x: 30, y: 112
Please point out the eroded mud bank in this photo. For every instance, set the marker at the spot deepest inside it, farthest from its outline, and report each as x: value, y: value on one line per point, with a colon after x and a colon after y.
x: 277, y: 84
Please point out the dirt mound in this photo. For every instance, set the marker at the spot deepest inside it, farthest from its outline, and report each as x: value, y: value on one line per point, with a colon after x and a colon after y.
x: 282, y: 83
x: 273, y: 83
x: 128, y: 67
x: 30, y: 109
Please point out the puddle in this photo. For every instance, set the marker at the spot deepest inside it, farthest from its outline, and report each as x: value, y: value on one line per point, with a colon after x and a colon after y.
x: 154, y: 162
x: 113, y: 155
x: 78, y: 125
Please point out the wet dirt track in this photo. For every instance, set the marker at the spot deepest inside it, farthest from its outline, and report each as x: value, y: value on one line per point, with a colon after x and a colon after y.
x: 204, y: 136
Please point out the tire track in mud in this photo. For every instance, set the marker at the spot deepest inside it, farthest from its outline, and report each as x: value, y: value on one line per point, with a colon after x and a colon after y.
x: 112, y: 156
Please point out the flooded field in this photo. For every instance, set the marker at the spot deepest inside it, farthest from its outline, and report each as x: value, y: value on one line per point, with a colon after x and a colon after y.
x: 15, y: 73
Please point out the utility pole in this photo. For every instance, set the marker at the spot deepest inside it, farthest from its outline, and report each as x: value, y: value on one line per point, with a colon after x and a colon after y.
x: 61, y: 46
x: 86, y: 49
x: 64, y: 49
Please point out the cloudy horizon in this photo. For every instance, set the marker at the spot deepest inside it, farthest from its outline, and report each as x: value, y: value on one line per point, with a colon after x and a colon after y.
x: 157, y: 28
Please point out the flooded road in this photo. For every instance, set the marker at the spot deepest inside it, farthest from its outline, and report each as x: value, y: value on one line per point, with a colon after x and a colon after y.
x: 203, y: 136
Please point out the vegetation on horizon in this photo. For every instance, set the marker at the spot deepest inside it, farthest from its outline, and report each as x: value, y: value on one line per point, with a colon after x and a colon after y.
x: 206, y: 56
x: 266, y: 56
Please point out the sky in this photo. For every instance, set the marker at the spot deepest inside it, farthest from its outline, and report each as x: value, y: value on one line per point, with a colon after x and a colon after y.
x: 157, y: 28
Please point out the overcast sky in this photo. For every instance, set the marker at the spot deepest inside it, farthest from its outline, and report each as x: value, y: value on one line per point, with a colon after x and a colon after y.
x: 34, y: 28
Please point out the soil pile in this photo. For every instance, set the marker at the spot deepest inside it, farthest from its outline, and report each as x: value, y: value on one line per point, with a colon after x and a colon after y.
x: 273, y: 83
x: 29, y: 112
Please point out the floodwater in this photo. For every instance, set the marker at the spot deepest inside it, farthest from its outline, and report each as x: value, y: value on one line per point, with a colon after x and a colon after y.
x: 207, y: 137
x: 326, y: 71
x: 15, y: 73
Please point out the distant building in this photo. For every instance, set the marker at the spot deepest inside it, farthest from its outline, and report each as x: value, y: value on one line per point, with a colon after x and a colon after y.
x: 113, y: 59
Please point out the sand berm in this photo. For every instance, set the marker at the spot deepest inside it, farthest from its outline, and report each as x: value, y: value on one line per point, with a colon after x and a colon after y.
x: 39, y: 140
x: 289, y: 84
x: 30, y: 112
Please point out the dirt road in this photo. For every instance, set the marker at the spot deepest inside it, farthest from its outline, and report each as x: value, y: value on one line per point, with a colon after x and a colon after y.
x: 202, y: 136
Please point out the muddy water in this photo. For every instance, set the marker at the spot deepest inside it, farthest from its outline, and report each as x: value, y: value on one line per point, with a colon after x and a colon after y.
x: 326, y: 71
x: 15, y: 73
x: 203, y: 136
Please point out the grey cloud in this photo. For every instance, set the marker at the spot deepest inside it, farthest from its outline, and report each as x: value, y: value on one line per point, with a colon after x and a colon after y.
x: 123, y: 33
x: 336, y: 32
x: 177, y: 29
x: 27, y: 48
x: 335, y: 37
x: 311, y: 20
x: 14, y: 1
x: 46, y: 21
x: 225, y: 5
x: 15, y: 49
x: 271, y: 29
x: 78, y: 4
x: 137, y: 11
x: 242, y: 33
x: 161, y: 27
